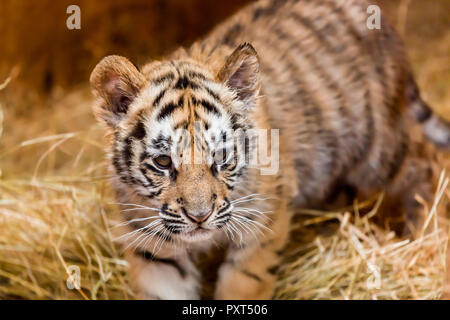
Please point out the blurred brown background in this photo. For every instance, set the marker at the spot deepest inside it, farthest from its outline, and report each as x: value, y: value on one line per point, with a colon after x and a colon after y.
x: 47, y: 55
x: 36, y: 39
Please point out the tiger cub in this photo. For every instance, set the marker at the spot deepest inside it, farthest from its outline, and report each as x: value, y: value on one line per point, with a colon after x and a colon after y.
x: 338, y: 99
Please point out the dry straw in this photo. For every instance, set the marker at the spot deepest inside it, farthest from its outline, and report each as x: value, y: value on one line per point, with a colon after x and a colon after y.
x: 362, y: 261
x: 55, y: 213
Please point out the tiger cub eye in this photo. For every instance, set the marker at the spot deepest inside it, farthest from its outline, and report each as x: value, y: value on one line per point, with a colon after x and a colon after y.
x: 164, y: 162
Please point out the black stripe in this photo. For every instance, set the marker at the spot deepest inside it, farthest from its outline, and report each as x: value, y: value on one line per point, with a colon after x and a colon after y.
x: 159, y: 97
x: 152, y: 258
x: 149, y: 181
x: 224, y: 208
x: 116, y: 159
x: 210, y: 107
x: 163, y: 78
x: 184, y: 82
x: 152, y: 168
x: 214, y: 170
x: 369, y: 134
x: 257, y: 13
x: 164, y: 211
x: 144, y: 155
x: 167, y: 110
x: 154, y: 194
x: 269, y: 10
x: 232, y: 33
x: 194, y: 74
x: 173, y: 229
x: 273, y: 270
x: 173, y: 174
x: 126, y: 152
x: 170, y: 108
x: 212, y: 93
x: 139, y: 131
x: 225, y: 216
x: 424, y: 113
x: 229, y: 186
x: 138, y: 134
x: 173, y: 221
x: 251, y: 275
x: 213, y: 49
x: 235, y: 120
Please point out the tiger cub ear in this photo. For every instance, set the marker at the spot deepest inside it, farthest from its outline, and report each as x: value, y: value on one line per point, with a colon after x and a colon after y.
x: 116, y: 82
x: 240, y: 73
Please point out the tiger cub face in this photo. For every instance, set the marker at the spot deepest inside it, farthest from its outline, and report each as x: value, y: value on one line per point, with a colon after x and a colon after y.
x: 176, y: 135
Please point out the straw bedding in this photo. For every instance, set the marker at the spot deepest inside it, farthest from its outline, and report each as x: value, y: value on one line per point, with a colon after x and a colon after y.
x: 56, y: 213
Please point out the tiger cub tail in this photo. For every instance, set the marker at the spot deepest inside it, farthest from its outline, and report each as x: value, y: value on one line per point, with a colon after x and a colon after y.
x: 435, y: 128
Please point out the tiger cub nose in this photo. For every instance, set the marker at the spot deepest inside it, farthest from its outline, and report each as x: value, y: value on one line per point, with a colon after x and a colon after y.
x: 199, y: 217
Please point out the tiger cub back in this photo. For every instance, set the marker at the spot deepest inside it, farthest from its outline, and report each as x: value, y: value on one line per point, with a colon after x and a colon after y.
x: 343, y: 99
x: 342, y: 94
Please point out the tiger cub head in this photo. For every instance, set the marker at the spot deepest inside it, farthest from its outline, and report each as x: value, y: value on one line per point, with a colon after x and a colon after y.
x: 175, y: 131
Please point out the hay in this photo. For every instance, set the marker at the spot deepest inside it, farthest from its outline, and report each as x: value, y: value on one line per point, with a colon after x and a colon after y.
x: 56, y: 213
x: 55, y: 210
x: 361, y: 261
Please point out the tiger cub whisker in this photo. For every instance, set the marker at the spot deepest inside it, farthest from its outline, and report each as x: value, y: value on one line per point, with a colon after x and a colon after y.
x: 151, y: 234
x: 139, y: 230
x: 133, y: 221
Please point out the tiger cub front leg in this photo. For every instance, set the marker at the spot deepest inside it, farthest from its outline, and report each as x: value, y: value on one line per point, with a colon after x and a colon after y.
x: 162, y: 276
x: 248, y: 270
